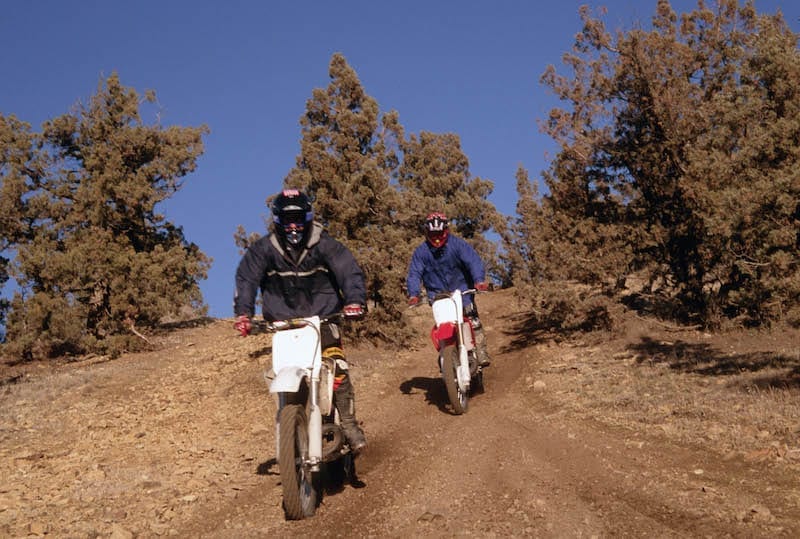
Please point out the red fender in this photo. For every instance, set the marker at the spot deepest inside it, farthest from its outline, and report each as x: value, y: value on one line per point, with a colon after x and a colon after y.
x: 443, y: 335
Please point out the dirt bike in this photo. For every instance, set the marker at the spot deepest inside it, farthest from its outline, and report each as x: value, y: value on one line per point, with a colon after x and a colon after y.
x: 308, y: 434
x: 454, y: 338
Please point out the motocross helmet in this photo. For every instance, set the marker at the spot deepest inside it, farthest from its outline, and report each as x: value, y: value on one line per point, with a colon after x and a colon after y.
x: 436, y: 229
x: 292, y: 216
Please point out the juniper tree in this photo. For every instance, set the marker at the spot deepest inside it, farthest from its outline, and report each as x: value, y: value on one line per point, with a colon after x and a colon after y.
x: 348, y: 156
x: 557, y: 271
x: 21, y: 169
x: 434, y: 176
x: 679, y: 148
x: 522, y: 234
x: 372, y: 188
x: 96, y: 260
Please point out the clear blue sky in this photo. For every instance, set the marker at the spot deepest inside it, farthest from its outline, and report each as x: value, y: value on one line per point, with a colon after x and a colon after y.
x: 246, y: 69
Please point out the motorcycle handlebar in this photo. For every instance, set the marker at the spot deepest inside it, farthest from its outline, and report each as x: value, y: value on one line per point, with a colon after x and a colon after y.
x: 472, y: 291
x: 292, y: 323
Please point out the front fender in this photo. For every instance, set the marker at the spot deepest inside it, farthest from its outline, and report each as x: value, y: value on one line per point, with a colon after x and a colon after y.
x: 443, y: 334
x: 288, y: 380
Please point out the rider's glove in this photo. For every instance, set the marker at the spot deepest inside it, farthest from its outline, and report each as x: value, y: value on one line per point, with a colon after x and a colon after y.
x: 243, y: 325
x: 413, y: 301
x: 482, y: 286
x: 353, y: 311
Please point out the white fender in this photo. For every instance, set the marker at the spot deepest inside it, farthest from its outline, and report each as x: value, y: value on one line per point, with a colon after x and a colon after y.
x: 288, y: 380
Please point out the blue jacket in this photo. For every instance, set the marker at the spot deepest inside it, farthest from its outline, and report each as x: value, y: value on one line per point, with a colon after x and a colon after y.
x: 456, y: 265
x: 325, y: 277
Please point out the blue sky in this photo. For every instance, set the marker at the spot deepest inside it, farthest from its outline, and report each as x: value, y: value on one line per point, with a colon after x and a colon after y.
x: 246, y: 69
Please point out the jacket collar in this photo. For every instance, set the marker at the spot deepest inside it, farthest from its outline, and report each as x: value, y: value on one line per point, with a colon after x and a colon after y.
x: 314, y: 236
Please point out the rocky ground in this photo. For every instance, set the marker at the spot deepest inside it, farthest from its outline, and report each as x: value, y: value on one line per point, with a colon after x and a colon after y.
x: 652, y: 432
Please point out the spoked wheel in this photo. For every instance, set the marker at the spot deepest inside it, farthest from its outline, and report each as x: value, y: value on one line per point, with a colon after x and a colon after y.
x: 298, y: 483
x: 458, y: 398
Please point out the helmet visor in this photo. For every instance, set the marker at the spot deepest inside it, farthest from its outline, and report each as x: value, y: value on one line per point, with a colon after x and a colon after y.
x: 293, y: 218
x: 437, y: 238
x: 293, y: 223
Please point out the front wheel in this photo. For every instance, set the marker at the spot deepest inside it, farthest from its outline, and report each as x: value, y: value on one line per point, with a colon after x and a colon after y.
x: 458, y: 398
x: 297, y: 480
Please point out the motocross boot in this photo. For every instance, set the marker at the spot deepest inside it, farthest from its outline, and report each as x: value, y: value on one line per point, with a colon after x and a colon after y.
x: 480, y: 344
x: 345, y: 403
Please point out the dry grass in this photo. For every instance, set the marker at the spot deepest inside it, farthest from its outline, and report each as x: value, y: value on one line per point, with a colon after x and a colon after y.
x: 737, y: 394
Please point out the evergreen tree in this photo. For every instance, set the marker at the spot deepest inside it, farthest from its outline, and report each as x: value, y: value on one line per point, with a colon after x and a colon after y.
x: 95, y: 259
x: 554, y: 267
x: 372, y: 189
x: 21, y: 171
x: 347, y: 160
x: 434, y: 176
x: 679, y: 150
x: 522, y: 236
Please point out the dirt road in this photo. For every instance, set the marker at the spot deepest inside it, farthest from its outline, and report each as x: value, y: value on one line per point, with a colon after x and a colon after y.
x: 180, y: 443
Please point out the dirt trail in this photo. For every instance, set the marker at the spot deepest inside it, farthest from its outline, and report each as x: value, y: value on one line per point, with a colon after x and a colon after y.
x: 180, y: 443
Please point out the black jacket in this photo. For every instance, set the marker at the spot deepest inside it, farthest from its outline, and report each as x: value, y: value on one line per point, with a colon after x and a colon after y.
x: 325, y: 277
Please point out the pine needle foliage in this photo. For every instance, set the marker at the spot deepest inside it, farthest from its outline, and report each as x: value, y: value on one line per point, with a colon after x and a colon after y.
x: 348, y: 154
x: 373, y: 187
x: 434, y: 176
x: 678, y: 161
x: 94, y: 259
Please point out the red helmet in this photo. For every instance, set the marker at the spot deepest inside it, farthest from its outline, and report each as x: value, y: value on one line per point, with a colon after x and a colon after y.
x: 436, y: 229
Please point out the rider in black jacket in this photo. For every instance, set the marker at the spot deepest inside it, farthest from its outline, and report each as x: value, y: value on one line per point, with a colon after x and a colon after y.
x: 302, y: 271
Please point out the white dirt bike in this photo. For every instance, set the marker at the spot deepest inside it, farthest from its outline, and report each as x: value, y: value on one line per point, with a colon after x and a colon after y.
x: 454, y: 339
x: 308, y: 434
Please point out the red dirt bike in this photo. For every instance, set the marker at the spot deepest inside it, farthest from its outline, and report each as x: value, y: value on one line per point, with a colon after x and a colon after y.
x: 454, y: 339
x: 310, y: 441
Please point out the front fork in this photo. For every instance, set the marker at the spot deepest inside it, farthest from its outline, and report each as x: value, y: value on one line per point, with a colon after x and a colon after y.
x: 314, y: 425
x: 463, y: 370
x: 466, y: 345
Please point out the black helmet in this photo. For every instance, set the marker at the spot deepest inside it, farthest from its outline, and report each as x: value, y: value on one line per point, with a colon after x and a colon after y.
x: 292, y: 215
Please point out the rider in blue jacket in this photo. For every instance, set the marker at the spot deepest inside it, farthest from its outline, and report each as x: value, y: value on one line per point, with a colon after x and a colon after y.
x: 443, y: 263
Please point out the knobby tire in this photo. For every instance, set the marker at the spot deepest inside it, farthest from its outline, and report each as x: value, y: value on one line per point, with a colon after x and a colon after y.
x: 297, y: 481
x: 458, y: 399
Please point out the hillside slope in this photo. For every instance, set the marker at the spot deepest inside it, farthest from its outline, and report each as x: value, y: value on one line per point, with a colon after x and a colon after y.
x: 655, y: 432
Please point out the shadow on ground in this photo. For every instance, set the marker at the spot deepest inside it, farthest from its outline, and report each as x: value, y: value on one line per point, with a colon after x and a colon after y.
x: 705, y: 360
x: 433, y: 388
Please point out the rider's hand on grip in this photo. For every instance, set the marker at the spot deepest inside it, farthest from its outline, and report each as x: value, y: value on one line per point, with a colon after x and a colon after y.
x: 413, y: 301
x: 482, y: 286
x: 243, y: 325
x: 353, y: 311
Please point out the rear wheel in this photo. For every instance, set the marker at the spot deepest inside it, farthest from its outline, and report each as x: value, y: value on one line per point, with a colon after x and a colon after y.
x: 297, y: 481
x: 458, y: 398
x: 477, y: 382
x: 476, y: 372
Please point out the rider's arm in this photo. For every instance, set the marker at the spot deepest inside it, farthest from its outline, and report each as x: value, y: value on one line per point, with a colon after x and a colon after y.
x: 348, y: 273
x: 248, y: 275
x: 469, y: 256
x: 414, y: 276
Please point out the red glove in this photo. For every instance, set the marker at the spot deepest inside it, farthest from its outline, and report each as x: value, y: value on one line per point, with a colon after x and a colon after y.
x: 354, y: 311
x: 243, y: 325
x: 413, y: 301
x: 481, y: 287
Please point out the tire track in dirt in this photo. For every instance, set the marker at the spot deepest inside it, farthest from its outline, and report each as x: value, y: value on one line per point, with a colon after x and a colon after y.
x: 513, y: 465
x: 428, y: 471
x: 180, y: 441
x: 407, y: 417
